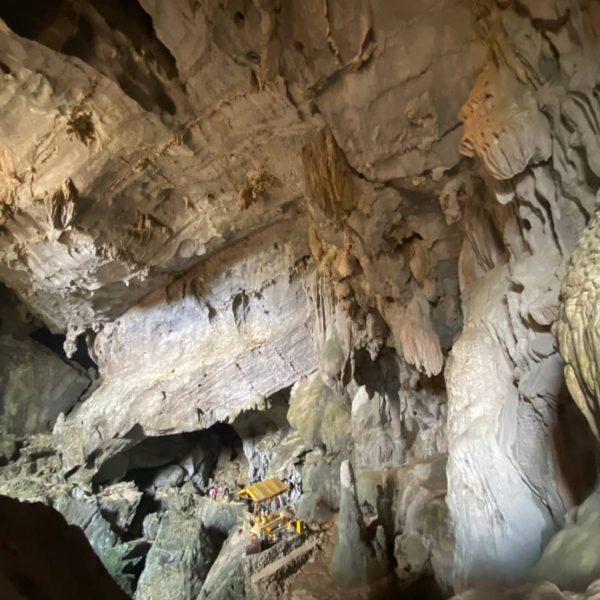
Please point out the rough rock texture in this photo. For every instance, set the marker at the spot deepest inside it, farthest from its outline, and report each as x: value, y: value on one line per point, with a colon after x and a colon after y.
x: 36, y: 476
x: 222, y: 331
x: 409, y: 502
x: 319, y: 414
x: 119, y: 503
x: 225, y: 580
x: 359, y: 557
x: 135, y: 151
x: 575, y: 328
x: 105, y: 518
x: 371, y: 203
x: 135, y: 154
x: 271, y: 446
x: 178, y: 561
x: 425, y: 544
x: 320, y: 486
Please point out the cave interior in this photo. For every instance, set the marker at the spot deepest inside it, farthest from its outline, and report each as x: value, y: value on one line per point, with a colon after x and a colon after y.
x: 353, y: 246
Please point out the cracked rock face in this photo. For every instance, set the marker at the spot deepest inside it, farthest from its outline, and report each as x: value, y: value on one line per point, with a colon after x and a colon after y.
x: 212, y: 337
x: 336, y: 235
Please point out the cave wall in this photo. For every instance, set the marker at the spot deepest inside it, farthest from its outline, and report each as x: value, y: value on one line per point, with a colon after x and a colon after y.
x: 36, y: 382
x: 218, y: 341
x: 372, y: 202
x: 528, y: 120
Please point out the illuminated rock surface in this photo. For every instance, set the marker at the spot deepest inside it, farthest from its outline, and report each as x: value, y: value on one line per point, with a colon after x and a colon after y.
x: 243, y: 239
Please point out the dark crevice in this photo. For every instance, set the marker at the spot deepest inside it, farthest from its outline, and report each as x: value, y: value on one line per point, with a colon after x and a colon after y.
x: 140, y: 61
x: 81, y: 44
x: 55, y: 343
x: 141, y: 461
x: 52, y: 341
x: 239, y: 19
x: 128, y: 17
x: 30, y: 18
x: 148, y: 505
x: 253, y: 57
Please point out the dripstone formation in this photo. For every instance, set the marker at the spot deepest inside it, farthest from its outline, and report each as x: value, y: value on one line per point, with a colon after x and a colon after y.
x: 350, y: 245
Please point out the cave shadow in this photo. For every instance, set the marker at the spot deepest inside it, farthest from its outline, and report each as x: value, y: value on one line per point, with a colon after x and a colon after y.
x: 575, y: 451
x: 55, y: 343
x: 140, y: 461
x: 43, y: 557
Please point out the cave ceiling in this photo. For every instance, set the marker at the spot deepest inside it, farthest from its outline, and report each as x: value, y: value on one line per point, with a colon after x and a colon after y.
x: 136, y: 140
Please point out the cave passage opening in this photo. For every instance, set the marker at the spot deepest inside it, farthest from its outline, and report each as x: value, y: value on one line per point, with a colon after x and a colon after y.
x: 171, y: 460
x: 56, y: 341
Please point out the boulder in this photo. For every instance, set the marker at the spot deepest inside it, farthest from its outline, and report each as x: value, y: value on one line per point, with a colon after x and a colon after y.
x: 169, y: 476
x: 225, y: 580
x: 118, y: 504
x: 571, y: 559
x: 218, y: 517
x: 179, y: 560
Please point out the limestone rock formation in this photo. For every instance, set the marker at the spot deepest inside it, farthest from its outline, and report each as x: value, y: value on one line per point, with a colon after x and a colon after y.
x: 250, y: 238
x: 482, y: 467
x: 575, y: 328
x: 571, y: 558
x: 424, y: 542
x: 225, y: 580
x: 519, y: 120
x: 319, y: 414
x: 320, y: 486
x: 210, y: 337
x: 409, y: 503
x: 359, y: 557
x: 178, y: 561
